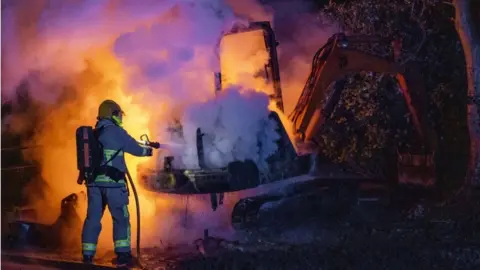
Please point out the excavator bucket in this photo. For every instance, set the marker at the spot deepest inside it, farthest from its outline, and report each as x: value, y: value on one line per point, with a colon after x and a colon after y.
x: 417, y: 169
x: 417, y: 166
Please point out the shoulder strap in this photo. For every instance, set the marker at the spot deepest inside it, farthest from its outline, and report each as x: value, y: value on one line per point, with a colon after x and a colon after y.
x: 112, y: 157
x: 98, y: 131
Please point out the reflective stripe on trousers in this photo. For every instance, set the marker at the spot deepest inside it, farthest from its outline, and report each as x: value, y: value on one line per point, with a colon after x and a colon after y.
x: 89, y: 248
x: 124, y: 243
x: 116, y: 198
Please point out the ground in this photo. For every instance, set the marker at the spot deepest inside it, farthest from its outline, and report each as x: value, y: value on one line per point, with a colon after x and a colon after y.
x: 369, y: 237
x: 442, y: 238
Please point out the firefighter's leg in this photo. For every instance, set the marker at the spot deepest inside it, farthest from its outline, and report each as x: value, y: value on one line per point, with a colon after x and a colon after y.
x: 117, y: 199
x: 92, y: 225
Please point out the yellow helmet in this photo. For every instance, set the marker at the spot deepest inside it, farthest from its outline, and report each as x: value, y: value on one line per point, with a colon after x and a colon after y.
x: 109, y: 109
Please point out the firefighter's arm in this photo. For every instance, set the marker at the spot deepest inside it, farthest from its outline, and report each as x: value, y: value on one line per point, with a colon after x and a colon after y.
x: 131, y: 146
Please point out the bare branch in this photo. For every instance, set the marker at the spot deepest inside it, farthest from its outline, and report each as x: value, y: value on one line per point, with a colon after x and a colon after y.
x: 424, y: 33
x: 464, y: 24
x: 448, y: 3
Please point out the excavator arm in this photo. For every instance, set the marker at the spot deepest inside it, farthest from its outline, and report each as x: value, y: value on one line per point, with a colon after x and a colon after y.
x: 336, y: 60
x: 333, y: 62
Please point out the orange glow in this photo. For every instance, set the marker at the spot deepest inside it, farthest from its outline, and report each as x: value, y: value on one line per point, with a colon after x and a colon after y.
x: 78, y: 43
x: 243, y: 57
x: 58, y: 155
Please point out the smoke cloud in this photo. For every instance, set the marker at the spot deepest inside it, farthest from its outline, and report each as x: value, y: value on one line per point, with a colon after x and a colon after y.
x: 157, y: 59
x: 235, y: 127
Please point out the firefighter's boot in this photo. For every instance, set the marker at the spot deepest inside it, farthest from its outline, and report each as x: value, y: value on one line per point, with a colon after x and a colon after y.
x: 125, y: 259
x: 88, y: 259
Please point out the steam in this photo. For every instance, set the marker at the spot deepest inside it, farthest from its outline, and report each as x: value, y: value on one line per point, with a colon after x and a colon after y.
x: 235, y: 127
x: 176, y: 59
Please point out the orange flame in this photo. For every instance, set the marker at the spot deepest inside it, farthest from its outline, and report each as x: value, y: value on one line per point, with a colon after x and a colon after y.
x: 58, y: 155
x: 106, y: 78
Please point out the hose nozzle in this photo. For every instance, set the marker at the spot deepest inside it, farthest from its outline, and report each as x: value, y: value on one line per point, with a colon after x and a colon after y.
x: 155, y: 145
x: 148, y: 143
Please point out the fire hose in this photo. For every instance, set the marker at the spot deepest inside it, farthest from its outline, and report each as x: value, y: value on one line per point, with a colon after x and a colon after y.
x: 155, y: 145
x: 137, y: 205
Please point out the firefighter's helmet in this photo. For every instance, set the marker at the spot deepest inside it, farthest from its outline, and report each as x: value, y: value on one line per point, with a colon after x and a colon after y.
x: 109, y: 109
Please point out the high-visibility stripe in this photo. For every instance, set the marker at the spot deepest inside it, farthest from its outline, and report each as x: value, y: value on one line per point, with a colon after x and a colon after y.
x: 108, y: 153
x: 128, y: 233
x: 111, y: 152
x: 89, y: 246
x: 105, y: 179
x: 122, y: 243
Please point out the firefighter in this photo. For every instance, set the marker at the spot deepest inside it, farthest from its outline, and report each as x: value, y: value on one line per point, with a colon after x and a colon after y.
x: 109, y: 187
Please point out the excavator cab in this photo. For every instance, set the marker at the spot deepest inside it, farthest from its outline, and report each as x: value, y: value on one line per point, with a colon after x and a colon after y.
x: 248, y: 57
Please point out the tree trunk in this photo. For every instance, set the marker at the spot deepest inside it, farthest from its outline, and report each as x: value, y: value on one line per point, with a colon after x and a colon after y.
x: 470, y: 40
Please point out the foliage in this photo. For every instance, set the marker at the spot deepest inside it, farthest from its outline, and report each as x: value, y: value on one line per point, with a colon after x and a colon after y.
x: 371, y: 114
x: 363, y: 130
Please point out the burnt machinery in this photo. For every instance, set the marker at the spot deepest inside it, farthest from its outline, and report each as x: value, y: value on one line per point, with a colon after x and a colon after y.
x: 25, y: 231
x: 288, y: 172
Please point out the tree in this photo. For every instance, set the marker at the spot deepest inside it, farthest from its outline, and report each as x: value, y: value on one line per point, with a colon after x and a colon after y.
x: 430, y: 40
x: 470, y: 40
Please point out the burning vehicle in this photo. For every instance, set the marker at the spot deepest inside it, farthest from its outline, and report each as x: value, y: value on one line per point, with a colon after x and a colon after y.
x: 321, y: 93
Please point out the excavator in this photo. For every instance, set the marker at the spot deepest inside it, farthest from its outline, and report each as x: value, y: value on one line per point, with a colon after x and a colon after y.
x: 292, y: 172
x: 289, y: 173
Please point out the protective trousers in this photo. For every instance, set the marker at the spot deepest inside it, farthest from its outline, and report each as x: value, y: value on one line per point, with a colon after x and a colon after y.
x: 117, y: 200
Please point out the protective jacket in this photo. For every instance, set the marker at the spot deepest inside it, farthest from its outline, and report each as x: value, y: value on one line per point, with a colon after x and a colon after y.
x: 115, y: 139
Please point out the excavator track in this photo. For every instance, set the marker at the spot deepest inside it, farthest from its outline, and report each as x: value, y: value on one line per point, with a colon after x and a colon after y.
x: 245, y: 212
x: 322, y: 195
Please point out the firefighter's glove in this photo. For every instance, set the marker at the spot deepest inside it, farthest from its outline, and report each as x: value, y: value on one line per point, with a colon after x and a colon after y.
x: 149, y: 152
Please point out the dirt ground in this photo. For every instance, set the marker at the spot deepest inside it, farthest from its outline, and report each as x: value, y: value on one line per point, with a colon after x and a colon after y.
x: 421, y: 237
x: 369, y: 237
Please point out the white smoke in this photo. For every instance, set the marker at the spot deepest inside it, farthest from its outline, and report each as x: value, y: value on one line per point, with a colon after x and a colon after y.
x: 235, y: 127
x: 176, y: 58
